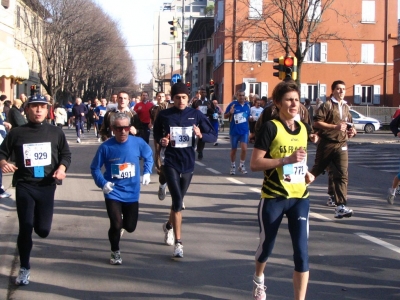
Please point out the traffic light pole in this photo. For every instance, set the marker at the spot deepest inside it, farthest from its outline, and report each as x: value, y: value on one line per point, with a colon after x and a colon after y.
x: 183, y: 42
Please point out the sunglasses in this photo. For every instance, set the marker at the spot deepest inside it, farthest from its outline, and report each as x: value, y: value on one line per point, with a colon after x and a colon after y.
x: 120, y: 128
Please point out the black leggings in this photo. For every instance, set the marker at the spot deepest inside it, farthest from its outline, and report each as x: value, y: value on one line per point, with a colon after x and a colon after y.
x: 115, y: 211
x: 178, y: 184
x: 35, y: 206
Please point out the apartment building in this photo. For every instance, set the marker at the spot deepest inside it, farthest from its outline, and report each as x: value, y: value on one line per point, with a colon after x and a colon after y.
x: 356, y: 48
x: 14, y: 68
x: 169, y: 46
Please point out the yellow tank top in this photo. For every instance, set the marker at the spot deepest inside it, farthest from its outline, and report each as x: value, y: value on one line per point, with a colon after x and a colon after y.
x: 288, y: 181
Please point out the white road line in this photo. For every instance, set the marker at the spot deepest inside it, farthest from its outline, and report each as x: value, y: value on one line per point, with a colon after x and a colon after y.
x: 234, y: 180
x: 319, y: 216
x: 199, y: 163
x: 379, y: 242
x: 213, y: 171
x: 255, y: 190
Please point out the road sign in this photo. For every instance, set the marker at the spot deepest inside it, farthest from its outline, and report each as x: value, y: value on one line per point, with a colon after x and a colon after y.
x: 175, y: 78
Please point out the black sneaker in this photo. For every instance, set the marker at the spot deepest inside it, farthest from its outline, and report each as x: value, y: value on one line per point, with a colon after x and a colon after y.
x: 200, y: 156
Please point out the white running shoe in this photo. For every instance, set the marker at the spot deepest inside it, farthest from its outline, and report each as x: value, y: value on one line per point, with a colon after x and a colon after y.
x: 169, y: 237
x: 5, y: 195
x: 116, y: 258
x: 233, y: 170
x: 242, y: 169
x: 259, y: 291
x: 390, y: 197
x: 178, y: 250
x: 342, y: 211
x: 331, y: 201
x: 78, y: 140
x: 23, y: 277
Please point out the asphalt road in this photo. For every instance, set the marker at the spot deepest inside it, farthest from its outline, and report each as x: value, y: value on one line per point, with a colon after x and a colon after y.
x: 356, y: 258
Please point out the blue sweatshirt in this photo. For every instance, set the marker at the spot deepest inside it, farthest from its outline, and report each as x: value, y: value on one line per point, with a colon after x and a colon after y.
x: 122, y: 167
x: 182, y: 159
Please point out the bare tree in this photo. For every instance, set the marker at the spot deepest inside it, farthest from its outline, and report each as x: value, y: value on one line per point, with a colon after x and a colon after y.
x: 291, y: 26
x: 80, y: 49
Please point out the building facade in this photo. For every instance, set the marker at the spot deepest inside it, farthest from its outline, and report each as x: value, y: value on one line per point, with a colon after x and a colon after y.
x: 13, y: 67
x: 359, y: 52
x: 169, y: 44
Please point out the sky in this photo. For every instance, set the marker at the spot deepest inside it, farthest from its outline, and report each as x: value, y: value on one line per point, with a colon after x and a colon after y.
x: 135, y: 18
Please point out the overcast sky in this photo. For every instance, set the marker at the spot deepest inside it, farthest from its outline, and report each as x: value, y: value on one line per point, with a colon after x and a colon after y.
x: 136, y: 23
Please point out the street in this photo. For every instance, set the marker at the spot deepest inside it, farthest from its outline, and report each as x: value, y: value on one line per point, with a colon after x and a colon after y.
x: 355, y: 258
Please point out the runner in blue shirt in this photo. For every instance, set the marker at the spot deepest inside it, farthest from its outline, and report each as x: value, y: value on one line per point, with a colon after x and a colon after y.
x: 238, y: 112
x: 121, y: 180
x: 100, y: 112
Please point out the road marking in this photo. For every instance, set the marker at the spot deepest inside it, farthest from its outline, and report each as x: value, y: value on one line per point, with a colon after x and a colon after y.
x: 213, y: 171
x: 234, y: 180
x: 199, y: 163
x: 319, y: 216
x: 379, y: 242
x: 255, y: 190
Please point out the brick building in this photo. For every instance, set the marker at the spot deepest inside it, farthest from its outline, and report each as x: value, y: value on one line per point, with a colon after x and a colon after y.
x: 360, y: 52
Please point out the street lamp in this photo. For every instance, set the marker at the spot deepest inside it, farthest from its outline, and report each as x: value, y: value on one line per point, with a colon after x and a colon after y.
x: 166, y: 44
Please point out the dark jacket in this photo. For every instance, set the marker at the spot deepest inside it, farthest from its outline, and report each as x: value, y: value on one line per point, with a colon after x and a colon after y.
x: 182, y: 159
x: 77, y: 111
x: 15, y: 118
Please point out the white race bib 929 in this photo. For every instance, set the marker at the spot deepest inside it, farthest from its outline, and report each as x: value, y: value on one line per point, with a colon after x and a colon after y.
x: 37, y: 154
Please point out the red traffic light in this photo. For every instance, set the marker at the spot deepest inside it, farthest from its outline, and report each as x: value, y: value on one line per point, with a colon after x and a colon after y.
x: 211, y: 82
x: 288, y: 62
x: 188, y: 84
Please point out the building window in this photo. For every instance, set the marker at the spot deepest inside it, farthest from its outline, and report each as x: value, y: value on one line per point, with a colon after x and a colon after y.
x: 312, y: 91
x: 316, y: 52
x: 368, y: 12
x: 18, y: 17
x: 367, y: 94
x: 255, y: 9
x: 220, y: 14
x: 254, y: 51
x: 367, y: 53
x: 314, y: 10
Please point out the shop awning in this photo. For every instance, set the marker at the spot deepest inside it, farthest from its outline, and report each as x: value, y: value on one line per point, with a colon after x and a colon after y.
x: 13, y: 63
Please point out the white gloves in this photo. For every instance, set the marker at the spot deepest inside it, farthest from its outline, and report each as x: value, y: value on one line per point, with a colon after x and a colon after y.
x: 108, y: 188
x: 146, y: 179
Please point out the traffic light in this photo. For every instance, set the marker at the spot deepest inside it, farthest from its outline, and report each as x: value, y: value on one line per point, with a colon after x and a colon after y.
x: 290, y: 67
x: 280, y: 74
x: 33, y: 89
x: 172, y: 30
x: 188, y: 85
x: 211, y: 88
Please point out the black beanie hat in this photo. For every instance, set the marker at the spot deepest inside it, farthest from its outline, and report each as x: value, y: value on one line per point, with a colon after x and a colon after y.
x: 179, y: 88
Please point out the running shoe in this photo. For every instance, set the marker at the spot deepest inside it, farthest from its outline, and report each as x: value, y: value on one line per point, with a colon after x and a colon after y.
x: 342, y: 211
x: 116, y: 258
x: 398, y: 190
x: 169, y: 237
x: 178, y: 250
x: 390, y: 197
x: 78, y: 140
x: 23, y: 277
x: 242, y: 169
x: 331, y: 201
x: 162, y: 192
x: 5, y: 195
x: 233, y: 170
x: 215, y: 144
x: 259, y: 291
x: 200, y: 156
x: 99, y: 140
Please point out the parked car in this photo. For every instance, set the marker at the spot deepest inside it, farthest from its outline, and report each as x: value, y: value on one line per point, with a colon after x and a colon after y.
x: 364, y: 123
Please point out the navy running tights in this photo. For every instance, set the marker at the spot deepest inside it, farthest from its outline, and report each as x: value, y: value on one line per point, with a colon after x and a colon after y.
x: 35, y: 206
x: 122, y: 215
x: 178, y: 184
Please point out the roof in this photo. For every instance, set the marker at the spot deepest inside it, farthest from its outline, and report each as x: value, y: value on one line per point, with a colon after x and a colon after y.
x: 202, y: 30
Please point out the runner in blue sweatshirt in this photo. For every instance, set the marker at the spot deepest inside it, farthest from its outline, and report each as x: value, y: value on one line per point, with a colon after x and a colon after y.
x: 121, y: 180
x: 176, y: 130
